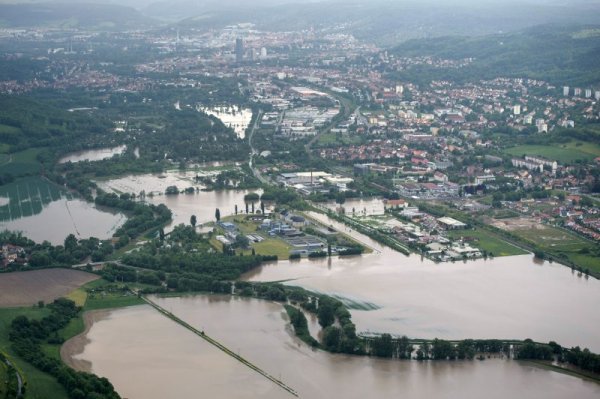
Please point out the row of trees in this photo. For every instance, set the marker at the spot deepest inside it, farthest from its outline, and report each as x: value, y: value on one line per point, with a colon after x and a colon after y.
x: 142, y: 217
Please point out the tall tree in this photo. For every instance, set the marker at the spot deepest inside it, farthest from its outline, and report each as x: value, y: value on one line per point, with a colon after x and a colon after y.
x: 217, y: 214
x: 70, y: 243
x: 193, y: 220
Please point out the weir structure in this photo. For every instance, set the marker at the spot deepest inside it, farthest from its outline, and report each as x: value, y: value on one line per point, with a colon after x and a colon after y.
x: 220, y: 346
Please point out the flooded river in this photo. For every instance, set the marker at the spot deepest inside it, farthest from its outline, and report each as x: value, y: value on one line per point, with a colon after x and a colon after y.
x: 507, y: 297
x: 146, y: 355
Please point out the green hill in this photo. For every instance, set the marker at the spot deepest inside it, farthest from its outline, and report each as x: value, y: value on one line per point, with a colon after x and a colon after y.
x: 558, y: 54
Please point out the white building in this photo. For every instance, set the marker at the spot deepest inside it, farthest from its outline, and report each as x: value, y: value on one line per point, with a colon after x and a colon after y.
x: 517, y: 109
x: 565, y: 90
x: 521, y: 163
x: 484, y: 179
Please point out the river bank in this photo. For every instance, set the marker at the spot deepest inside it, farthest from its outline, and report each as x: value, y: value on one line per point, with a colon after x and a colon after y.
x: 76, y: 345
x: 139, y: 344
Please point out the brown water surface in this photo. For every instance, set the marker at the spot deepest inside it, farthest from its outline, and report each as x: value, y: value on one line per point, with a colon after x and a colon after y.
x: 505, y: 297
x: 146, y: 355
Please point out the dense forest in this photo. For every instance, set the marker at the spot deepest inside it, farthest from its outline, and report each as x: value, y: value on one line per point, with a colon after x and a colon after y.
x: 28, y: 123
x: 558, y: 54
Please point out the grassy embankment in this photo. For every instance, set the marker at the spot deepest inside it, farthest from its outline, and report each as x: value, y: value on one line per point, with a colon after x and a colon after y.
x: 39, y: 384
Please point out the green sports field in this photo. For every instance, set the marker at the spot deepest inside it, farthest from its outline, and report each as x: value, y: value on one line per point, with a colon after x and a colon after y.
x: 562, y: 153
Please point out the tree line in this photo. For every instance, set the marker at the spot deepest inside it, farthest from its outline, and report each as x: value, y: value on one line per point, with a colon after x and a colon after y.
x: 28, y: 336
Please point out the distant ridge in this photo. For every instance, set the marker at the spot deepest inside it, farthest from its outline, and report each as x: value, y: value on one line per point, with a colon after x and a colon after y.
x: 71, y: 15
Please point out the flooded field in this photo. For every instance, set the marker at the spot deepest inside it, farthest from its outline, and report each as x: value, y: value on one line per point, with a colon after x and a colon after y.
x: 93, y: 155
x: 150, y: 184
x: 360, y: 207
x: 146, y: 355
x: 508, y: 297
x: 200, y: 203
x: 232, y: 116
x: 65, y: 216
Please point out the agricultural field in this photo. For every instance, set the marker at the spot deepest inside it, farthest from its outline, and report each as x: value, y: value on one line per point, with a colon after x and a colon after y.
x: 487, y: 242
x: 565, y: 153
x: 27, y: 197
x: 27, y: 288
x: 20, y: 163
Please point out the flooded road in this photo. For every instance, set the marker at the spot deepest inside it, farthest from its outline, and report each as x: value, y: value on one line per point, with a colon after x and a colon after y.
x: 146, y: 355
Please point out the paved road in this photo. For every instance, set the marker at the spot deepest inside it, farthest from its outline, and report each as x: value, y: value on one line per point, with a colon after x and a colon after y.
x: 19, y: 379
x: 254, y: 152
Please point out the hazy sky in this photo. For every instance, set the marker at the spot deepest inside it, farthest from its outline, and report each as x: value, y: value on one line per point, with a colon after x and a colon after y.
x: 143, y: 3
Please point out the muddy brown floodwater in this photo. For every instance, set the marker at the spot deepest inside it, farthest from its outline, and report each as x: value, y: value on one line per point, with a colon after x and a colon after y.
x: 60, y: 218
x: 146, y: 355
x: 506, y: 297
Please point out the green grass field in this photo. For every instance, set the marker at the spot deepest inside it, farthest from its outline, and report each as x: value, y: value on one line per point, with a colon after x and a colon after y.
x: 564, y: 244
x: 21, y: 163
x: 273, y: 246
x: 488, y: 242
x: 562, y: 153
x: 39, y: 385
x: 328, y: 139
x: 27, y: 197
